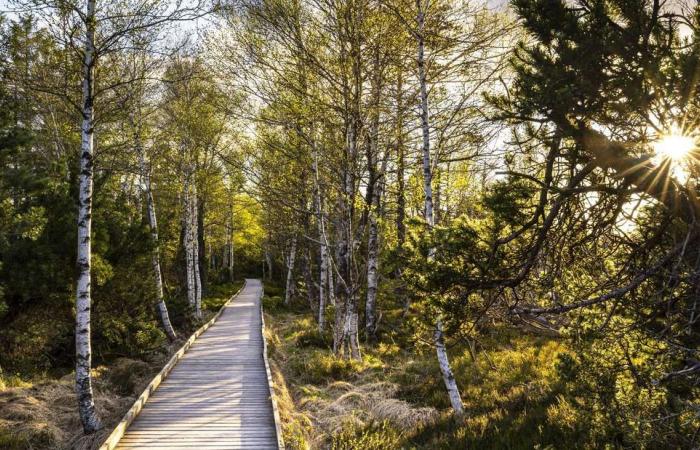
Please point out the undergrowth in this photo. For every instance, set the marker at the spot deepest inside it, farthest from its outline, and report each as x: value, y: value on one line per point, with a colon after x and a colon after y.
x: 394, y: 398
x: 38, y: 410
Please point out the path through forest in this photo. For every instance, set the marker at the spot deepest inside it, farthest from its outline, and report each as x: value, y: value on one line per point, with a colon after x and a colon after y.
x: 217, y: 397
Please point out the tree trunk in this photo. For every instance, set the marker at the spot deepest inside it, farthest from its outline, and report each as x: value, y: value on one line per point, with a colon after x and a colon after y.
x: 83, y: 352
x: 372, y: 273
x: 189, y: 244
x: 309, y: 282
x: 153, y: 225
x: 447, y: 375
x: 331, y: 278
x: 195, y: 251
x: 339, y: 327
x: 443, y: 360
x: 201, y: 245
x: 323, y: 246
x: 322, y: 289
x: 348, y: 321
x: 288, y: 291
x: 229, y: 244
x: 268, y: 261
x: 400, y: 168
x: 400, y: 195
x: 374, y: 189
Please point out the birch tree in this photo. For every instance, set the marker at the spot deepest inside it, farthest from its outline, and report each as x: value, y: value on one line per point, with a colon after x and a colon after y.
x: 145, y: 173
x: 92, y: 32
x: 439, y: 339
x: 289, y: 284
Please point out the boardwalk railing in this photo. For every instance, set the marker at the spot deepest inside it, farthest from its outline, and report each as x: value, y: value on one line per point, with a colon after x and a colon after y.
x: 275, y: 411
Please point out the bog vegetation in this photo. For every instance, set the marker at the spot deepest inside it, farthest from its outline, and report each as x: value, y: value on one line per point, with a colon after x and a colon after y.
x: 476, y: 221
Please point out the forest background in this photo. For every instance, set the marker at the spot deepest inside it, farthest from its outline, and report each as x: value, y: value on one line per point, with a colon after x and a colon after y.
x: 476, y: 223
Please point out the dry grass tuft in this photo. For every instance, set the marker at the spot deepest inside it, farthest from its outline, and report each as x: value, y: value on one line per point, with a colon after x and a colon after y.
x: 296, y: 425
x: 334, y: 400
x: 44, y: 415
x: 363, y: 403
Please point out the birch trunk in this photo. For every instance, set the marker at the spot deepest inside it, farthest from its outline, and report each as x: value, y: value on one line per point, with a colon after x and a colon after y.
x: 331, y: 278
x: 309, y: 281
x: 200, y: 239
x: 153, y: 225
x: 400, y: 194
x: 443, y: 360
x: 400, y: 167
x: 288, y: 291
x: 194, y: 228
x: 353, y: 334
x: 372, y: 272
x: 323, y: 270
x: 229, y: 245
x: 323, y: 246
x: 339, y: 319
x: 374, y: 196
x: 348, y: 322
x: 189, y: 247
x: 83, y: 352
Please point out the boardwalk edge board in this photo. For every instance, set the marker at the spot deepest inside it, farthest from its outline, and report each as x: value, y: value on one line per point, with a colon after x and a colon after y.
x: 273, y: 399
x: 136, y: 408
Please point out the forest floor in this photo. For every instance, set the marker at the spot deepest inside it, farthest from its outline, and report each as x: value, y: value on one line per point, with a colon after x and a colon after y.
x: 394, y: 397
x: 39, y: 411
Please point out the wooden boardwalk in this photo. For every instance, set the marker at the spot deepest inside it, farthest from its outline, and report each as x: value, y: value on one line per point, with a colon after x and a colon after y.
x: 217, y: 396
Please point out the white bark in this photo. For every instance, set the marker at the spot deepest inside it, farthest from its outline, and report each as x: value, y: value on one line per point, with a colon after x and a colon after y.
x: 447, y: 375
x: 372, y: 274
x: 288, y: 291
x: 331, y: 278
x: 443, y: 360
x: 323, y: 247
x: 425, y: 125
x: 83, y: 351
x: 187, y: 235
x: 195, y: 252
x: 373, y: 211
x: 322, y: 289
x: 229, y: 244
x: 153, y: 225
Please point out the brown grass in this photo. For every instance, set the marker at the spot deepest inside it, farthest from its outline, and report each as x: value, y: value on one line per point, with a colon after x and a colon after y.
x: 322, y: 411
x: 43, y: 414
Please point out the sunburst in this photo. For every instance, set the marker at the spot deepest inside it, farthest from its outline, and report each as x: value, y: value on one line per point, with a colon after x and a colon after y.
x: 674, y: 146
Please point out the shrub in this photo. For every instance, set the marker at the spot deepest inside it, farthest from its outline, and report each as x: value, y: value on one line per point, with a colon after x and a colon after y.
x: 320, y: 367
x: 374, y: 436
x: 311, y: 337
x: 273, y: 304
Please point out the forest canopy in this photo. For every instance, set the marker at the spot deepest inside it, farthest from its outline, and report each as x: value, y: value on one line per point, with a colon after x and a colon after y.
x: 482, y: 214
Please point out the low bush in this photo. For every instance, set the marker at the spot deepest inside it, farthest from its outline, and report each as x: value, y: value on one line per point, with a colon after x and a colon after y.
x: 373, y: 436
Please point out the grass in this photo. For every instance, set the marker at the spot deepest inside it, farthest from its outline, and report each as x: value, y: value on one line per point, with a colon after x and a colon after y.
x: 40, y: 411
x: 395, y: 398
x: 218, y: 295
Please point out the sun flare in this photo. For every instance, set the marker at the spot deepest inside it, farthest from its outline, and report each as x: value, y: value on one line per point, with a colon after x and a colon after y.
x: 674, y: 146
